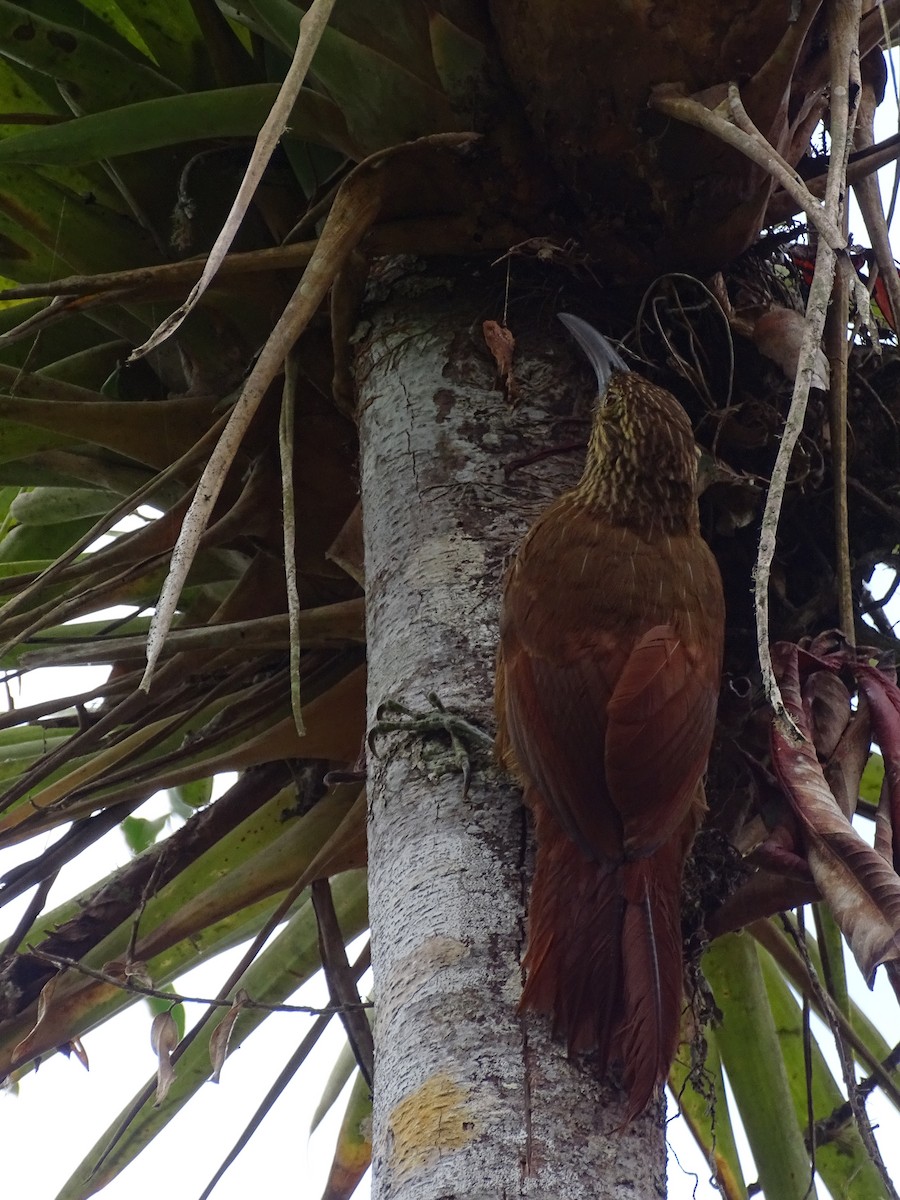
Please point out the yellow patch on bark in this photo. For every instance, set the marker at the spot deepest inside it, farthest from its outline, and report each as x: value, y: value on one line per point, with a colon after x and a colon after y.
x: 430, y: 1122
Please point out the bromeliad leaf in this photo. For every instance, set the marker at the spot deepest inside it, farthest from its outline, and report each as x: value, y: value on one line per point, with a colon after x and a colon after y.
x: 236, y: 112
x: 862, y: 890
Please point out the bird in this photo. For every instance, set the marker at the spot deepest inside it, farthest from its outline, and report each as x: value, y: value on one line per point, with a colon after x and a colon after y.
x: 608, y: 674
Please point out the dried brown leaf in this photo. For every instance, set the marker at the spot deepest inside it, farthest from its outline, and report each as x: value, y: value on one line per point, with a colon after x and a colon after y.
x: 75, y: 1047
x: 863, y: 893
x: 883, y: 697
x: 861, y: 889
x: 163, y: 1039
x: 844, y: 769
x: 130, y: 971
x: 826, y: 703
x: 23, y: 1050
x: 502, y: 345
x: 884, y: 832
x: 763, y: 895
x: 221, y: 1035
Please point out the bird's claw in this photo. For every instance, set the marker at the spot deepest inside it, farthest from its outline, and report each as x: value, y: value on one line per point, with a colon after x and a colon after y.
x: 392, y: 716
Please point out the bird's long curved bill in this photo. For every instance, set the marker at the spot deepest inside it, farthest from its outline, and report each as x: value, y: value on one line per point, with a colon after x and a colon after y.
x: 602, y: 355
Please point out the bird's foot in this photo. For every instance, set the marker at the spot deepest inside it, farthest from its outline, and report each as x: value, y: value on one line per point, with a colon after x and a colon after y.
x: 466, y: 739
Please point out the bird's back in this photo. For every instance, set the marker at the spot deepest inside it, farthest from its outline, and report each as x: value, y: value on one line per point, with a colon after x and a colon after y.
x: 579, y: 600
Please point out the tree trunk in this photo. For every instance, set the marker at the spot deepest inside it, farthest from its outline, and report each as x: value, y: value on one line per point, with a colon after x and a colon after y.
x: 471, y: 1099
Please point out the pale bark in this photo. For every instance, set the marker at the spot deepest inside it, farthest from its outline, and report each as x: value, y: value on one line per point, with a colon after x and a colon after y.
x: 471, y: 1099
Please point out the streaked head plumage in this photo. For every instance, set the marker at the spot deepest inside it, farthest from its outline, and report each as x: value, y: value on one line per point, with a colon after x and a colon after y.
x: 641, y: 465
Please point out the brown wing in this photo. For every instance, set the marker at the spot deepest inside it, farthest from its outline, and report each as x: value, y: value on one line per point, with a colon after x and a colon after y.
x: 555, y: 720
x: 660, y: 723
x: 609, y: 709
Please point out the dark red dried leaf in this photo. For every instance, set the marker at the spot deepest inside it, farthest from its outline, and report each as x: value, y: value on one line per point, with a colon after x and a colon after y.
x: 861, y: 889
x: 826, y: 703
x: 883, y: 697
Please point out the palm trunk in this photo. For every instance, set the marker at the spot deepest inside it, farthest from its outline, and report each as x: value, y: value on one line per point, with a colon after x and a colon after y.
x: 471, y: 1099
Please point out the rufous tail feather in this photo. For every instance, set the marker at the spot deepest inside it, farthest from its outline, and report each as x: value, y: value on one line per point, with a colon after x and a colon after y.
x: 652, y: 968
x: 604, y: 956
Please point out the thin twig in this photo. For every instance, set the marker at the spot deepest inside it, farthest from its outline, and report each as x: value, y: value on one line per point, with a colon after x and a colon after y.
x: 70, y: 97
x: 286, y: 1074
x: 741, y: 133
x: 272, y: 258
x: 148, y: 891
x: 828, y: 1127
x: 134, y: 986
x: 798, y: 975
x: 838, y: 358
x: 817, y: 306
x: 289, y: 526
x: 330, y: 625
x: 225, y: 994
x: 808, y: 1066
x: 843, y: 31
x: 844, y: 51
x: 356, y: 207
x: 312, y: 26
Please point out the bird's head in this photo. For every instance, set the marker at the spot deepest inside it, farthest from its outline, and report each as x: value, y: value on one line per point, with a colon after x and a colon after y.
x: 642, y: 457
